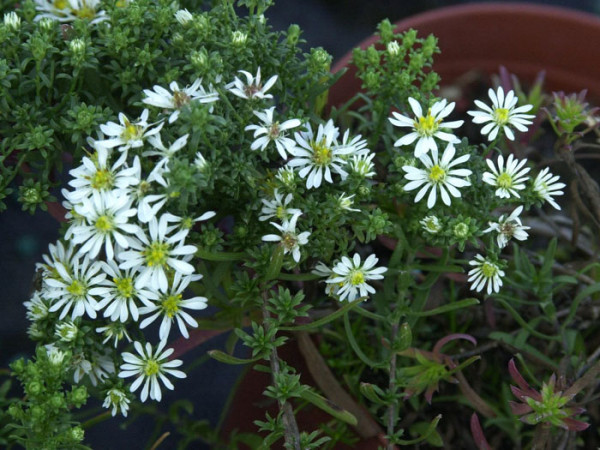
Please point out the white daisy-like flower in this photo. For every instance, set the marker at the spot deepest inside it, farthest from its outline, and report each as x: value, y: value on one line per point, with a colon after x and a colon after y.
x: 508, y: 180
x: 12, y: 21
x: 107, y: 217
x: 176, y: 98
x: 501, y: 114
x: 252, y: 88
x: 58, y: 253
x: 509, y: 227
x: 357, y: 144
x: 426, y: 127
x: 76, y: 288
x: 362, y: 165
x: 120, y: 296
x: 114, y: 330
x: 431, y: 224
x: 150, y: 365
x: 272, y: 131
x: 149, y: 204
x: 316, y: 156
x: 183, y: 16
x: 439, y: 174
x: 353, y: 276
x: 37, y: 308
x: 153, y: 255
x: 170, y: 305
x: 200, y: 162
x: 55, y: 355
x: 485, y: 272
x: 70, y: 10
x: 166, y: 153
x: 346, y: 201
x: 289, y: 239
x: 322, y: 270
x: 97, y: 368
x: 287, y: 176
x: 66, y: 331
x: 125, y: 134
x: 545, y: 186
x: 118, y: 401
x: 278, y: 207
x: 95, y: 174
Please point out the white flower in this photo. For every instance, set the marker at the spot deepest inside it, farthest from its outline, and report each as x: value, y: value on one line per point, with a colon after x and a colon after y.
x: 165, y: 152
x: 431, y: 224
x: 278, y: 207
x: 177, y: 98
x: 12, y: 21
x: 485, y: 271
x: 316, y: 156
x: 502, y: 114
x: 119, y: 293
x: 183, y: 16
x: 346, y: 201
x: 200, y: 162
x: 106, y: 218
x: 150, y: 366
x: 36, y: 307
x: 171, y: 307
x: 362, y: 165
x: 287, y: 176
x: 66, y: 331
x: 353, y: 276
x: 238, y: 38
x: 393, y: 48
x: 509, y: 227
x: 507, y: 180
x: 117, y: 400
x: 253, y: 87
x: 426, y: 127
x: 186, y: 223
x: 290, y: 239
x: 114, y: 330
x: 96, y: 368
x: 75, y: 288
x: 126, y: 135
x: 322, y: 270
x: 70, y: 10
x: 272, y: 131
x: 55, y: 356
x: 439, y: 175
x: 545, y: 186
x: 153, y: 255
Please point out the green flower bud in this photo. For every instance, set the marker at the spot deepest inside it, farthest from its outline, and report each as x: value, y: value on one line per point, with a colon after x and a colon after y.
x: 386, y: 31
x: 238, y: 39
x: 77, y: 434
x: 373, y: 57
x: 293, y: 34
x: 461, y: 230
x: 12, y: 21
x: 79, y: 396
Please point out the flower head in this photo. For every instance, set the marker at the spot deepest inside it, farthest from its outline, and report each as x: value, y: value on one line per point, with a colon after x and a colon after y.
x: 175, y: 99
x: 70, y: 10
x: 278, y: 207
x: 431, y: 224
x: 252, y: 88
x: 272, y: 131
x: 126, y: 134
x: 426, y: 127
x: 289, y: 239
x: 502, y: 114
x: 545, y: 187
x: 362, y: 165
x: 485, y: 272
x: 150, y: 365
x: 508, y: 180
x: 508, y: 227
x: 117, y: 400
x: 438, y: 175
x: 352, y: 275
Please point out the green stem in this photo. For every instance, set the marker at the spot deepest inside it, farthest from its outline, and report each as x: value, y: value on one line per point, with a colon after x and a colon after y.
x: 96, y: 420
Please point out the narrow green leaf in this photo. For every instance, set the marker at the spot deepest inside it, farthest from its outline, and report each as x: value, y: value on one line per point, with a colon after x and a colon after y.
x: 229, y: 359
x: 276, y: 263
x: 428, y: 432
x: 221, y: 256
x: 443, y: 309
x: 577, y: 300
x: 330, y: 408
x: 298, y: 277
x: 352, y: 341
x: 373, y: 393
x: 326, y: 319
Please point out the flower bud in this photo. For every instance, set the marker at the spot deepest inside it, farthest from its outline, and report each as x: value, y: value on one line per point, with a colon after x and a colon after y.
x: 12, y: 21
x: 184, y: 17
x: 393, y: 48
x: 238, y: 39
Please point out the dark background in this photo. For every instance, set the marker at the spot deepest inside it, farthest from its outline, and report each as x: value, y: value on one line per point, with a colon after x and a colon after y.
x: 337, y: 26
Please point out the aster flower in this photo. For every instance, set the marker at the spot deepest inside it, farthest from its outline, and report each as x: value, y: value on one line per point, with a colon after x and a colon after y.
x: 426, y: 127
x: 66, y: 330
x: 170, y: 305
x: 352, y: 275
x: 278, y: 207
x: 439, y: 174
x: 155, y: 254
x: 508, y: 180
x: 545, y: 186
x: 345, y: 202
x: 176, y: 98
x: 286, y: 176
x: 75, y: 288
x: 290, y: 239
x: 70, y: 10
x: 114, y: 330
x: 501, y: 114
x: 316, y: 156
x: 106, y: 219
x: 252, y: 88
x: 125, y: 134
x: 485, y: 272
x: 36, y: 307
x: 362, y: 165
x: 150, y: 365
x: 97, y: 367
x: 166, y: 153
x: 508, y: 227
x: 118, y: 401
x: 431, y: 224
x: 272, y: 131
x: 55, y: 355
x: 58, y: 253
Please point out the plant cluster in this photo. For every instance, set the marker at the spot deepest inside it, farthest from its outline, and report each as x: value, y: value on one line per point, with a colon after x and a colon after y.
x: 204, y: 168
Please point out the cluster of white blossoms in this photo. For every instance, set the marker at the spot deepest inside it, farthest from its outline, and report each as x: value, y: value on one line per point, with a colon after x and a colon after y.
x: 440, y: 177
x: 70, y: 10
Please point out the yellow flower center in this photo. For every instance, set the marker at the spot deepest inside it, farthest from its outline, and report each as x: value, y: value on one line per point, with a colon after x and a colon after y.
x: 131, y: 132
x: 170, y: 305
x: 289, y: 241
x: 504, y: 180
x: 280, y: 212
x: 180, y: 99
x: 60, y: 4
x: 426, y: 126
x: 357, y: 277
x: 121, y: 3
x: 85, y: 12
x: 151, y: 368
x: 501, y: 116
x: 489, y: 270
x: 77, y: 288
x: 156, y: 254
x: 124, y: 287
x: 437, y: 174
x: 104, y: 224
x: 274, y: 131
x: 321, y: 153
x: 102, y: 180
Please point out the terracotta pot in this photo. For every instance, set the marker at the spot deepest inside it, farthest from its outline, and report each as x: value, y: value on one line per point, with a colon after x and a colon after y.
x: 526, y: 39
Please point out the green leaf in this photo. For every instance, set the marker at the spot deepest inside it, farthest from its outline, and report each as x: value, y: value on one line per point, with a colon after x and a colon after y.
x: 443, y: 309
x: 421, y: 428
x: 373, y: 393
x: 276, y: 263
x: 428, y: 432
x: 229, y: 359
x: 221, y: 256
x: 326, y: 319
x: 330, y: 408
